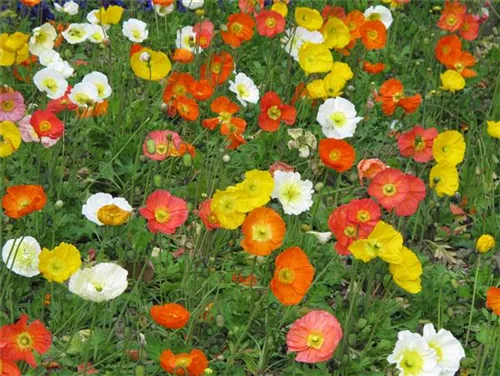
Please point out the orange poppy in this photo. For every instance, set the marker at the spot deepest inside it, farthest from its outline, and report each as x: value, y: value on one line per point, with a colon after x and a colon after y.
x: 96, y: 110
x: 453, y: 16
x: 192, y: 364
x: 24, y: 74
x: 493, y: 300
x: 391, y: 96
x: 178, y: 85
x: 373, y: 68
x: 186, y: 108
x: 163, y: 3
x: 8, y: 368
x: 201, y: 90
x: 21, y: 200
x: 373, y: 35
x: 183, y: 55
x: 229, y: 124
x: 448, y: 49
x: 218, y: 70
x: 336, y: 154
x: 292, y: 277
x: 239, y: 29
x: 263, y: 231
x: 270, y: 23
x: 235, y: 141
x: 462, y: 64
x: 170, y: 315
x: 354, y: 20
x: 30, y: 3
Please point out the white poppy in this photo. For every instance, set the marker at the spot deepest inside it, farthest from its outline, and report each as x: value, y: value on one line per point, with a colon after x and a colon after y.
x: 96, y: 33
x: 323, y: 237
x: 100, y: 205
x: 295, y: 38
x: 43, y: 39
x: 21, y: 256
x: 163, y: 11
x: 413, y: 356
x: 337, y: 117
x: 192, y: 4
x: 92, y: 18
x: 62, y: 67
x: 49, y: 56
x: 135, y: 30
x: 100, y: 283
x: 448, y: 349
x: 294, y: 194
x: 84, y: 95
x: 69, y: 7
x: 76, y: 33
x: 379, y: 13
x: 245, y: 89
x: 186, y: 39
x: 51, y: 82
x: 100, y: 81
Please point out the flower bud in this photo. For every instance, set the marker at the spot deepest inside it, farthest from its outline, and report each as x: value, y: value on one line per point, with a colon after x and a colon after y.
x: 226, y: 158
x: 145, y: 56
x: 59, y: 204
x: 485, y: 243
x: 157, y: 180
x: 140, y: 370
x: 187, y: 160
x: 318, y: 186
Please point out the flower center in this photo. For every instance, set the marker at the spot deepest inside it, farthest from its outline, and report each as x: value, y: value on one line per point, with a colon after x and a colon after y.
x: 45, y: 126
x: 451, y: 20
x: 24, y: 341
x: 396, y: 97
x: 335, y: 155
x: 315, y: 340
x: 389, y: 189
x: 419, y: 143
x: 374, y: 17
x: 274, y: 113
x: 261, y: 232
x: 83, y: 98
x: 216, y: 67
x: 363, y: 216
x: 412, y: 363
x: 465, y: 26
x: 24, y: 203
x: 236, y: 28
x: 350, y: 231
x: 286, y: 275
x: 76, y: 33
x: 50, y: 84
x: 291, y: 193
x: 372, y: 34
x: 338, y: 118
x: 183, y: 362
x: 98, y: 286
x: 180, y: 89
x: 270, y: 22
x: 136, y: 34
x: 459, y: 67
x: 225, y: 117
x: 56, y: 266
x: 242, y: 90
x: 162, y: 215
x: 7, y: 105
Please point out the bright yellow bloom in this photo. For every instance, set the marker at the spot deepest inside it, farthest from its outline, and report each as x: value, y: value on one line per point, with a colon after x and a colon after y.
x: 316, y: 89
x: 315, y: 58
x: 281, y: 8
x: 407, y: 273
x: 112, y: 215
x: 449, y: 146
x: 10, y: 138
x: 336, y: 34
x: 150, y: 65
x: 444, y: 179
x: 384, y: 242
x: 452, y: 81
x: 485, y: 243
x: 308, y: 18
x: 493, y: 128
x: 255, y: 190
x: 13, y: 48
x: 342, y: 69
x: 224, y: 205
x: 333, y: 84
x: 110, y: 16
x: 60, y: 263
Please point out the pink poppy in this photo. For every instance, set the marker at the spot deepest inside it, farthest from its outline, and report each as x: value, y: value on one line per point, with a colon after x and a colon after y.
x: 207, y: 216
x: 416, y: 194
x: 204, y: 33
x: 159, y: 145
x: 314, y: 337
x: 164, y: 212
x: 12, y: 106
x: 368, y: 168
x: 390, y: 187
x: 417, y: 143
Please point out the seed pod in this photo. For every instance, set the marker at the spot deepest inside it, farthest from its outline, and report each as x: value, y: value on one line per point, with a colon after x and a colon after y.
x: 157, y: 180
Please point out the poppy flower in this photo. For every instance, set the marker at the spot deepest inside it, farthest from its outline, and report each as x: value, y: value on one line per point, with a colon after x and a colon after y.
x: 201, y: 90
x: 493, y: 300
x: 415, y: 195
x: 364, y: 213
x: 417, y: 143
x: 345, y: 231
x: 444, y: 179
x: 470, y: 27
x: 178, y: 85
x: 373, y: 68
x: 449, y: 146
x: 8, y: 367
x: 315, y: 58
x: 159, y: 145
x: 308, y: 18
x: 248, y: 6
x: 263, y: 231
x: 354, y: 20
x: 314, y: 337
x: 255, y: 190
x: 390, y: 187
x: 391, y: 96
x: 452, y: 16
x: 21, y: 200
x: 373, y: 35
x: 170, y: 315
x: 452, y: 80
x: 183, y: 55
x: 150, y: 65
x: 46, y: 124
x: 219, y: 68
x: 336, y: 154
x: 273, y: 111
x: 204, y: 33
x: 187, y: 108
x: 250, y: 280
x: 369, y: 168
x: 292, y: 277
x: 10, y: 138
x: 407, y: 273
x: 239, y: 29
x: 12, y: 107
x: 95, y: 110
x: 62, y: 103
x: 229, y: 124
x: 448, y: 49
x: 19, y: 340
x: 462, y: 63
x: 269, y: 23
x: 331, y: 11
x: 207, y: 216
x: 164, y: 212
x: 195, y: 362
x: 235, y: 141
x: 134, y: 48
x: 336, y: 34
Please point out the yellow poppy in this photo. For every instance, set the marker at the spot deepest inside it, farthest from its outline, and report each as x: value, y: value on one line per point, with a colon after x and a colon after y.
x: 255, y: 190
x: 449, y: 146
x: 493, y: 128
x: 110, y: 16
x: 342, y: 69
x: 308, y: 18
x: 336, y: 34
x: 315, y: 58
x: 150, y: 65
x: 13, y: 48
x: 333, y: 84
x: 10, y: 138
x: 60, y: 263
x: 444, y: 179
x: 407, y: 273
x: 452, y: 81
x: 485, y: 243
x: 316, y: 89
x: 281, y: 8
x: 224, y: 205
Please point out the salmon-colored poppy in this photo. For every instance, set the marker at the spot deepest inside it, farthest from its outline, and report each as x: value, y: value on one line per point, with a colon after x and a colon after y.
x: 219, y: 68
x: 159, y: 145
x: 390, y: 187
x: 170, y: 315
x: 364, y: 213
x: 292, y: 277
x: 493, y: 300
x: 373, y: 68
x: 178, y: 85
x: 193, y: 363
x: 369, y: 168
x: 452, y: 16
x: 280, y: 166
x: 270, y: 23
x: 333, y: 11
x: 201, y: 90
x: 239, y: 29
x: 183, y: 55
x: 248, y: 6
x: 207, y: 216
x: 164, y: 212
x: 354, y: 20
x: 448, y: 49
x: 391, y: 95
x: 46, y: 124
x: 263, y: 231
x: 336, y: 154
x: 417, y: 143
x: 18, y: 341
x: 415, y: 195
x: 21, y: 200
x: 273, y: 112
x: 187, y: 108
x: 204, y: 33
x: 470, y: 27
x: 373, y: 35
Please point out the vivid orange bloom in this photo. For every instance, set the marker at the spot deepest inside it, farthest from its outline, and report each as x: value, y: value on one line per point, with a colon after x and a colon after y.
x: 96, y: 110
x: 19, y: 340
x: 336, y: 154
x: 373, y: 35
x: 391, y: 96
x: 21, y: 200
x: 207, y: 216
x: 186, y: 108
x: 390, y: 187
x: 373, y: 68
x: 453, y: 16
x: 192, y: 364
x: 170, y: 315
x: 354, y: 20
x: 292, y: 277
x: 163, y: 3
x: 229, y: 124
x: 448, y: 49
x: 8, y: 367
x: 235, y: 140
x: 462, y: 63
x: 178, y: 85
x: 30, y: 3
x: 263, y: 231
x: 183, y: 55
x: 219, y: 68
x: 493, y: 300
x: 239, y: 29
x: 134, y: 48
x: 201, y: 90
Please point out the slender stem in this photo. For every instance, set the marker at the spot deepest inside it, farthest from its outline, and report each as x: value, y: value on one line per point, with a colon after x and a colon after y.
x: 473, y: 301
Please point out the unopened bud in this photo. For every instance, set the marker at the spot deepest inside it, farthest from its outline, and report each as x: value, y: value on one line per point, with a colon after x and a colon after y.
x: 59, y: 204
x: 157, y: 180
x: 145, y: 56
x: 318, y: 186
x: 187, y: 160
x: 226, y: 158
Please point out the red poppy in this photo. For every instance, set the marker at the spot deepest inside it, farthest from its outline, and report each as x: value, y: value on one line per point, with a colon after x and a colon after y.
x: 134, y: 48
x: 373, y: 68
x: 21, y: 200
x: 62, y: 103
x: 390, y: 187
x: 452, y: 16
x: 448, y: 49
x: 201, y: 90
x: 331, y: 11
x: 250, y: 280
x: 235, y: 141
x: 280, y: 166
x: 270, y: 23
x: 470, y: 27
x: 207, y: 216
x: 336, y: 154
x: 8, y: 367
x: 164, y: 212
x: 187, y: 108
x: 417, y: 143
x: 416, y: 194
x: 344, y: 230
x: 239, y: 29
x: 46, y: 124
x: 248, y: 6
x: 178, y: 85
x: 391, y: 96
x: 204, y: 33
x: 364, y: 213
x: 218, y: 70
x: 273, y: 111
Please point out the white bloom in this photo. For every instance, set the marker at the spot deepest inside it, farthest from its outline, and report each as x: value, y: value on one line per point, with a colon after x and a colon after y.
x: 186, y: 38
x: 62, y: 67
x: 102, y: 282
x: 379, y: 13
x: 163, y: 11
x: 192, y: 4
x: 301, y: 141
x: 50, y: 81
x: 337, y: 117
x: 49, y: 56
x: 84, y: 94
x: 21, y: 256
x: 135, y: 30
x: 100, y: 81
x: 92, y: 18
x: 69, y: 7
x: 295, y: 195
x: 96, y: 33
x: 448, y: 349
x: 413, y: 357
x: 245, y: 89
x: 293, y: 40
x: 99, y: 200
x: 43, y: 39
x: 323, y: 237
x: 76, y: 33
